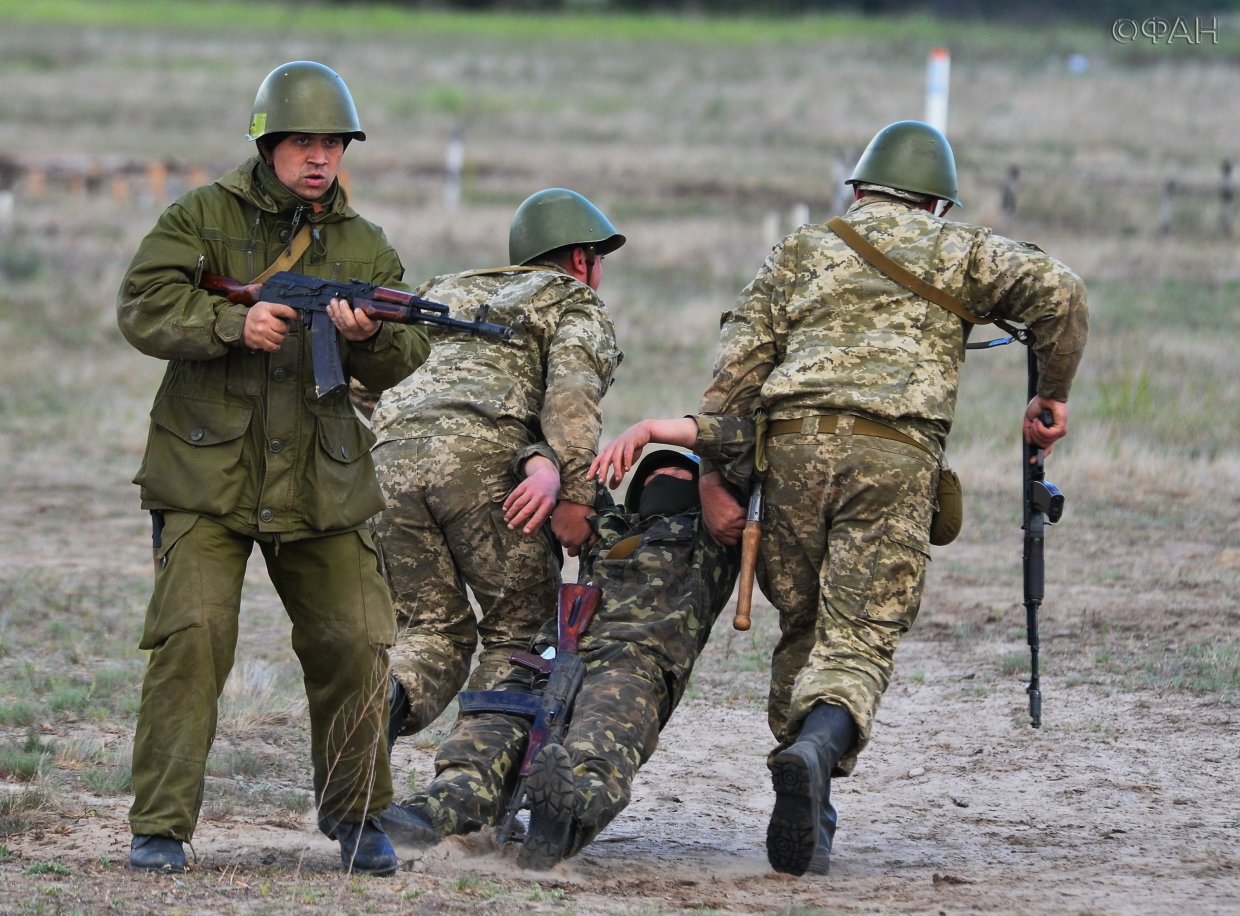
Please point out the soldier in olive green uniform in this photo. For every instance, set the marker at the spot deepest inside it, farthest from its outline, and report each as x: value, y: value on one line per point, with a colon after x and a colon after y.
x: 858, y: 377
x: 663, y: 584
x: 241, y: 452
x: 455, y: 436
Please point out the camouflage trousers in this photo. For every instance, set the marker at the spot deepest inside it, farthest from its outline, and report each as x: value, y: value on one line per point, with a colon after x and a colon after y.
x: 342, y: 625
x: 845, y: 542
x: 614, y: 730
x: 443, y: 535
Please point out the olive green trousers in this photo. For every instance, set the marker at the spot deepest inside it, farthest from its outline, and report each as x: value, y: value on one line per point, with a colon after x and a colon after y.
x: 343, y: 624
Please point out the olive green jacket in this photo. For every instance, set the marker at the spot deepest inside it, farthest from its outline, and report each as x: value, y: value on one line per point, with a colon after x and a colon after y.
x: 238, y: 435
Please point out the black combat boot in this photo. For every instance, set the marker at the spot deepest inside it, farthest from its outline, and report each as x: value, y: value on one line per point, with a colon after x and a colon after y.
x: 365, y: 848
x: 803, y: 816
x: 550, y: 792
x: 408, y: 825
x: 157, y: 853
x: 398, y: 709
x: 820, y: 864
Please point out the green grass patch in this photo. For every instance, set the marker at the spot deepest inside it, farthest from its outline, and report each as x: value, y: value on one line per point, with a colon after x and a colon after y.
x: 1196, y: 668
x: 25, y: 759
x: 987, y: 39
x: 22, y: 809
x: 1202, y: 668
x: 54, y: 869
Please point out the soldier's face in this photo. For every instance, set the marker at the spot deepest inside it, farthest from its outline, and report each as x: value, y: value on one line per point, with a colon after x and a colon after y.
x: 677, y: 472
x: 307, y: 164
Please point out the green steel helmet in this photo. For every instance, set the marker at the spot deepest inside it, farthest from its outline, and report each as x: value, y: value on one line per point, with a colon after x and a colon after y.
x: 555, y: 217
x: 662, y: 458
x: 910, y: 156
x: 304, y: 97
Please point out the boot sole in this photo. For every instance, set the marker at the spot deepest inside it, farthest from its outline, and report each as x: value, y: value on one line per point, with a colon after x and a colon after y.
x: 792, y: 835
x: 381, y: 872
x: 551, y: 796
x: 166, y: 869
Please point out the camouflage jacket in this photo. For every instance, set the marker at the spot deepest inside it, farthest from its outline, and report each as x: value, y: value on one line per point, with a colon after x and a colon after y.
x: 664, y: 584
x: 239, y: 435
x: 819, y: 330
x: 546, y: 384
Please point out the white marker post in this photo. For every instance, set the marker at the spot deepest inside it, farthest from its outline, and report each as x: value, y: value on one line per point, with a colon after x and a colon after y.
x: 938, y: 77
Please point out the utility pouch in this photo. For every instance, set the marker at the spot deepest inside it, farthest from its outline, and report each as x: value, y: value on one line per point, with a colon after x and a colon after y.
x: 760, y: 429
x: 948, y: 516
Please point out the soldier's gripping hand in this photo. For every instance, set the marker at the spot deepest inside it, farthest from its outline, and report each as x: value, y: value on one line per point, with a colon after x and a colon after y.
x: 570, y: 523
x: 723, y: 515
x: 266, y: 325
x: 353, y: 324
x: 532, y: 501
x: 1036, y: 433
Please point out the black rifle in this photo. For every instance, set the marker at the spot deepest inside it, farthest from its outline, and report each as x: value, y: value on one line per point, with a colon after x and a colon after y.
x: 550, y: 708
x: 1043, y: 505
x: 312, y: 295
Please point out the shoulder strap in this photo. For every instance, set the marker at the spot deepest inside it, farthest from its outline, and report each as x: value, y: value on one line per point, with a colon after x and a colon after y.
x: 510, y: 269
x: 906, y: 278
x: 285, y: 261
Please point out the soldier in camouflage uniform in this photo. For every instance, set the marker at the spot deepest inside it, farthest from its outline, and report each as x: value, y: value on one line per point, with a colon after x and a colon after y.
x: 455, y: 437
x: 663, y: 584
x: 858, y: 377
x: 242, y: 452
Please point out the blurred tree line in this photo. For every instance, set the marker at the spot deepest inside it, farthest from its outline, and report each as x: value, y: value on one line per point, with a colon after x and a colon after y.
x: 1010, y: 10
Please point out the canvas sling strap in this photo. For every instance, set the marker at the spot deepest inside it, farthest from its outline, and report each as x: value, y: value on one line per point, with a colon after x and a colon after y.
x: 902, y: 275
x: 295, y: 248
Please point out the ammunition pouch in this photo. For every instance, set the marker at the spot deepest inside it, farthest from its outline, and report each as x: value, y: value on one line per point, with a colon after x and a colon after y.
x: 948, y: 516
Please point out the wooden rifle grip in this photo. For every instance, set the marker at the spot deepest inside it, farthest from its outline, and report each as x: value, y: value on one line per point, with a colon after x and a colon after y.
x: 750, y: 539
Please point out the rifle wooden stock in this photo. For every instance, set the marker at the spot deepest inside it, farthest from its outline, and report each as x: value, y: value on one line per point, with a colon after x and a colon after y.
x: 751, y: 539
x: 576, y: 609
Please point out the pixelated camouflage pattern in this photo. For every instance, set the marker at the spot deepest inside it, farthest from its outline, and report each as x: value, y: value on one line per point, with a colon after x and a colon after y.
x: 658, y: 607
x: 845, y: 541
x: 819, y: 330
x: 726, y: 444
x: 444, y: 529
x: 545, y: 384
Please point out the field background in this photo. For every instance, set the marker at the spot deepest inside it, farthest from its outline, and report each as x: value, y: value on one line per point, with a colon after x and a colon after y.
x: 703, y: 140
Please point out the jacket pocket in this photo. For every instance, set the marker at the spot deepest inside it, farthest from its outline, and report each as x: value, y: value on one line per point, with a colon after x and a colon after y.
x: 193, y: 457
x: 341, y: 488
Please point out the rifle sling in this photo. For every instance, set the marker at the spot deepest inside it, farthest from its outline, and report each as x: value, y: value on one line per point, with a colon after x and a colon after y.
x: 509, y: 702
x: 289, y: 257
x: 902, y: 275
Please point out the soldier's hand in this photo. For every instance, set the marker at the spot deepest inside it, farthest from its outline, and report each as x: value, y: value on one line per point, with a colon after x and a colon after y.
x: 723, y: 515
x: 266, y: 325
x: 570, y: 524
x: 1042, y: 436
x: 353, y: 324
x: 532, y: 500
x: 619, y: 455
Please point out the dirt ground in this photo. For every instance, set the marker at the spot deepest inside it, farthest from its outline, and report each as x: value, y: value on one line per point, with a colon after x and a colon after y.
x: 1123, y: 802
